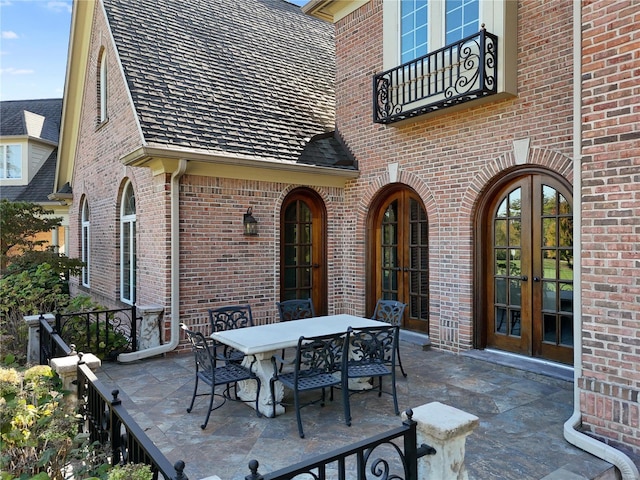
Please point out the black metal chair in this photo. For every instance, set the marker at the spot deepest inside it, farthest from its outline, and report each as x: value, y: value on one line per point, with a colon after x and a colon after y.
x: 296, y: 309
x: 372, y: 354
x: 230, y: 318
x: 213, y: 375
x: 391, y: 311
x: 317, y: 366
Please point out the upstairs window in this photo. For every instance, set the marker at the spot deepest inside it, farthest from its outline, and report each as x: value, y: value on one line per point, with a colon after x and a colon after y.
x: 461, y: 19
x: 102, y: 87
x: 421, y: 25
x: 11, y: 165
x: 414, y: 26
x: 85, y: 243
x: 128, y: 246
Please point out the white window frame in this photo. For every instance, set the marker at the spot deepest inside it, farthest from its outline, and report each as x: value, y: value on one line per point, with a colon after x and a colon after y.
x: 102, y: 88
x: 500, y: 17
x: 3, y: 158
x: 127, y: 248
x: 85, y: 243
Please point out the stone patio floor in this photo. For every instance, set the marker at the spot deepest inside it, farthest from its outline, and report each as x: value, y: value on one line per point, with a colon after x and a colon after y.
x: 520, y: 435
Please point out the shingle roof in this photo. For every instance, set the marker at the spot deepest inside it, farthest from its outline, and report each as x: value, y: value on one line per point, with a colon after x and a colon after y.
x: 40, y: 186
x: 14, y: 120
x: 249, y: 77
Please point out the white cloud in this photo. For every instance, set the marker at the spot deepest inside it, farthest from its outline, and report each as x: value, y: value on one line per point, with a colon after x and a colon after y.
x: 59, y: 6
x: 9, y: 35
x: 16, y: 71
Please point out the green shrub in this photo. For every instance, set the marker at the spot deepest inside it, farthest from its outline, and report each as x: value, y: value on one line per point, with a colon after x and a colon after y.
x: 38, y: 437
x: 130, y: 471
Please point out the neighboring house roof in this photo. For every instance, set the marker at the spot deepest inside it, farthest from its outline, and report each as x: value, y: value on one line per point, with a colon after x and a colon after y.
x: 35, y: 118
x: 250, y: 77
x: 40, y: 187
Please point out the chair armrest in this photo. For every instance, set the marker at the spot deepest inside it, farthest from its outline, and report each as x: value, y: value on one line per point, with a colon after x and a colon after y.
x: 278, y: 360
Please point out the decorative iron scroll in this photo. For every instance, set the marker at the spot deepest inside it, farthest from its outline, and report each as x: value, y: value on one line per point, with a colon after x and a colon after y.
x: 458, y: 73
x: 389, y: 456
x: 105, y: 333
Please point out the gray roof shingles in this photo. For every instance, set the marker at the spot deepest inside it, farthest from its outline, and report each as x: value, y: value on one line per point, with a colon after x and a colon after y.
x: 12, y: 123
x: 250, y: 77
x: 12, y: 117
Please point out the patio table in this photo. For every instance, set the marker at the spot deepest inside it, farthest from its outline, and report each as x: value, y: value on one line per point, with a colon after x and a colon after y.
x: 261, y: 342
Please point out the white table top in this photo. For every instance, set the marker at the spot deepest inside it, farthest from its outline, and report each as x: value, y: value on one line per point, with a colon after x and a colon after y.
x: 276, y: 336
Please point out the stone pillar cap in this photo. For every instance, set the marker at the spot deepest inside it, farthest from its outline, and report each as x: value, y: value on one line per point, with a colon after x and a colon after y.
x: 443, y: 421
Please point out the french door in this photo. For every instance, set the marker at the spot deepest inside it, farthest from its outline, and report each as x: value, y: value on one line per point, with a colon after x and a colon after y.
x: 302, y: 249
x: 528, y: 265
x: 399, y: 261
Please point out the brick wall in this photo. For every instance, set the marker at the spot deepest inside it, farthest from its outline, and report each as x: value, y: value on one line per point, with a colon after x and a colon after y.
x: 610, y: 377
x: 450, y: 159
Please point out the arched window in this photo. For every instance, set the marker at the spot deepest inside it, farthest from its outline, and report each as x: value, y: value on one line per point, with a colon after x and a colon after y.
x: 85, y: 242
x: 102, y: 87
x: 128, y: 245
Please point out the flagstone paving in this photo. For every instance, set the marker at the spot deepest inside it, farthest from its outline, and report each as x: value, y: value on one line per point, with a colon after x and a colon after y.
x: 520, y: 435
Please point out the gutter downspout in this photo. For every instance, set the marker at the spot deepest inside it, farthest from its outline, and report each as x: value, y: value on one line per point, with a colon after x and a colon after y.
x: 175, y: 274
x: 588, y: 444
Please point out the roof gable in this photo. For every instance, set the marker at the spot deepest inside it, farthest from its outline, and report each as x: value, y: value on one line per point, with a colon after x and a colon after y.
x: 249, y: 78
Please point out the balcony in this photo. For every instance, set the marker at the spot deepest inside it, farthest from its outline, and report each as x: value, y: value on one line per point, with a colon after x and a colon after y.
x: 461, y: 72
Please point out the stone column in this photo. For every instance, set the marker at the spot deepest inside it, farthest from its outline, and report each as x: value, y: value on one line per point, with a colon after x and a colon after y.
x: 444, y: 428
x: 149, y: 326
x: 67, y: 370
x: 33, y: 346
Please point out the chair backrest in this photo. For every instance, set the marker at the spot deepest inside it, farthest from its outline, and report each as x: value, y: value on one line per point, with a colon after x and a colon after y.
x: 321, y: 354
x: 389, y: 311
x: 295, y: 309
x: 205, y: 361
x: 373, y: 345
x: 230, y: 317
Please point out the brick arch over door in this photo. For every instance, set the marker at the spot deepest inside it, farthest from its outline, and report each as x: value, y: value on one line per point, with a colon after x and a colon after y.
x: 523, y: 302
x: 418, y: 192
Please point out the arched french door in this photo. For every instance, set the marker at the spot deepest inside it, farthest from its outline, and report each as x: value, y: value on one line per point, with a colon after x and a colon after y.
x: 526, y: 265
x: 399, y: 254
x: 303, y: 258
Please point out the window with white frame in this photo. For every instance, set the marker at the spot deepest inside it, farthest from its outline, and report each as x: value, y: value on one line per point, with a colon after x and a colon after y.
x: 413, y: 29
x: 85, y: 242
x: 128, y: 245
x: 11, y: 165
x: 102, y: 87
x: 421, y: 24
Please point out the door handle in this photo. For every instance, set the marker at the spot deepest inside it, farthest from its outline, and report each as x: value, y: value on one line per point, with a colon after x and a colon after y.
x: 524, y: 278
x: 316, y: 265
x: 536, y: 279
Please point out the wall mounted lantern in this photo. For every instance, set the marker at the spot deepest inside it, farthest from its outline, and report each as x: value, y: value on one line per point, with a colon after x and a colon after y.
x: 250, y: 223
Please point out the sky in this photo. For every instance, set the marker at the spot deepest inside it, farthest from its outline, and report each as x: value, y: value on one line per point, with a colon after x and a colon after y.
x: 34, y: 41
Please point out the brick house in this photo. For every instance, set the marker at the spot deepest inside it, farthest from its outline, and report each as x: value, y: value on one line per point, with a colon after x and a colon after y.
x: 476, y: 160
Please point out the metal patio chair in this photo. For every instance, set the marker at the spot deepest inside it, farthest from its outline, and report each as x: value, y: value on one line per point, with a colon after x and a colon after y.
x: 372, y: 353
x: 391, y: 311
x: 296, y: 309
x: 317, y: 366
x: 213, y: 375
x: 230, y: 318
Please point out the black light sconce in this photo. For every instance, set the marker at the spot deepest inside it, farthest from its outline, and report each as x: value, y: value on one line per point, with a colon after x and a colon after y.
x: 250, y: 223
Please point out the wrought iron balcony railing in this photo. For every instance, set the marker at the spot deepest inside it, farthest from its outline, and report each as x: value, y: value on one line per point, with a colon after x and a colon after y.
x: 460, y: 72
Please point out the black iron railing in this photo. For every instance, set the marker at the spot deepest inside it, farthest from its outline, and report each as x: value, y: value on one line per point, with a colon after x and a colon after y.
x: 51, y: 343
x: 108, y: 422
x: 105, y: 333
x: 391, y: 455
x: 460, y: 72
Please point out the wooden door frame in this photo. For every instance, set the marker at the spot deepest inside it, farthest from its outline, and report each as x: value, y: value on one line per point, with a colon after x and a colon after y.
x: 373, y: 239
x: 318, y: 238
x: 481, y: 223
